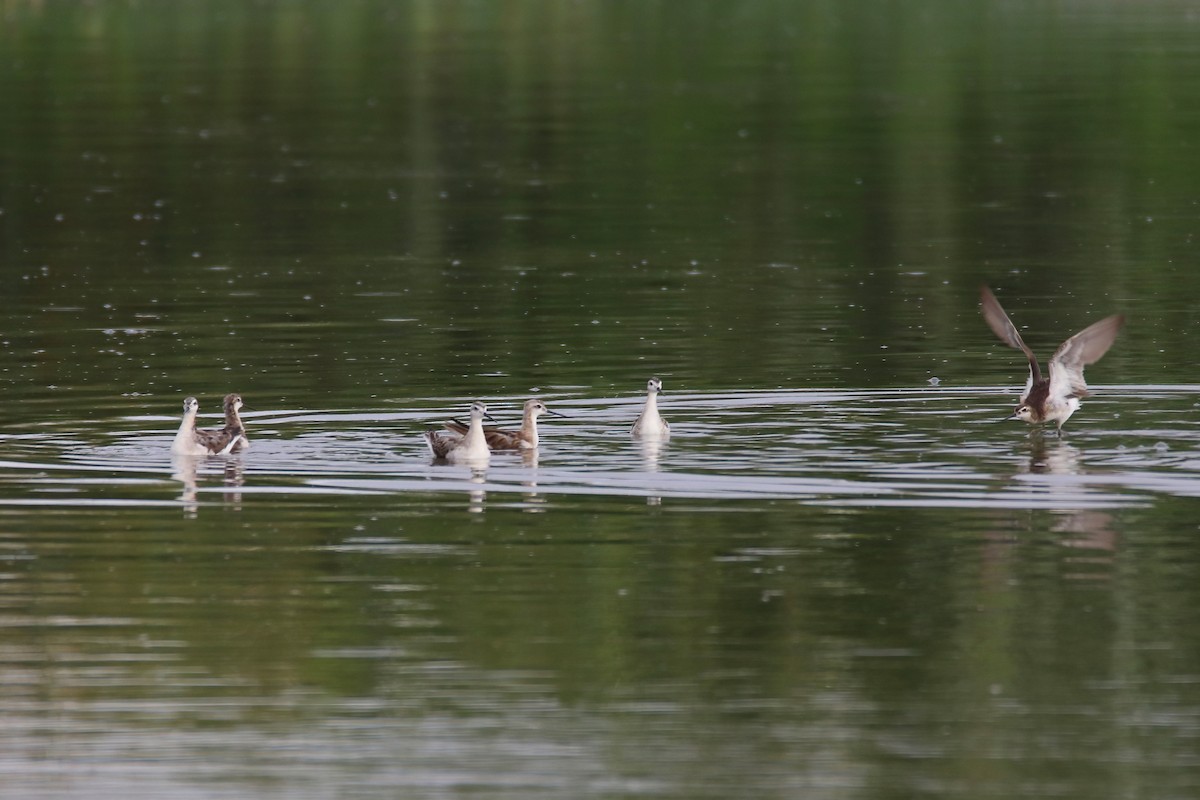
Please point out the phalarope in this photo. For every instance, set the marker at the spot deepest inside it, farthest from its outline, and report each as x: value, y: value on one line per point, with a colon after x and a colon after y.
x: 233, y: 422
x: 649, y: 425
x: 526, y: 438
x: 192, y: 442
x: 454, y: 447
x: 1056, y: 398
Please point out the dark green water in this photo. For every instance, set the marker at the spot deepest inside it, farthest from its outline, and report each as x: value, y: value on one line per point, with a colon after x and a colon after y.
x: 838, y: 579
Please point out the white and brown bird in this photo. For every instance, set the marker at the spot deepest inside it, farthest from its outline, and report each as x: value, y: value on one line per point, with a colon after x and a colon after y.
x: 1053, y: 398
x: 192, y: 442
x: 649, y: 424
x: 454, y: 447
x: 525, y: 438
x: 233, y: 423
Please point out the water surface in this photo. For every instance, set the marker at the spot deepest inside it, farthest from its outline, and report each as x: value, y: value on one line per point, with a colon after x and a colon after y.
x: 841, y: 577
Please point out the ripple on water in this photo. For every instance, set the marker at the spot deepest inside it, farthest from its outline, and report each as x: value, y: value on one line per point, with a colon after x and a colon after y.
x: 932, y: 447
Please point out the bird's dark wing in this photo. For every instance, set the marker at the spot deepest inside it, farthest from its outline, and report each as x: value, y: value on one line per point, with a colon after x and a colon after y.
x: 1002, y: 326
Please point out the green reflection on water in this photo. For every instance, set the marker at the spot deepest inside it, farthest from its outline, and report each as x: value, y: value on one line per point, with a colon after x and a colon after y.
x: 584, y: 193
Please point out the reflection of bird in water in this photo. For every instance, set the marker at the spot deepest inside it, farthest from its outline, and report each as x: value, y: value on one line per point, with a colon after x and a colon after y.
x: 449, y: 446
x: 525, y: 438
x: 1056, y: 398
x: 183, y: 469
x: 652, y: 450
x: 1062, y: 459
x: 234, y: 479
x: 478, y: 496
x: 649, y: 424
x: 192, y: 442
x: 186, y: 470
x: 534, y: 501
x: 1090, y: 528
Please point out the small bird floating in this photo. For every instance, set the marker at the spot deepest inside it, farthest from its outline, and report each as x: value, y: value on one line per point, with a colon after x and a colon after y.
x: 233, y: 423
x: 649, y: 425
x: 455, y: 447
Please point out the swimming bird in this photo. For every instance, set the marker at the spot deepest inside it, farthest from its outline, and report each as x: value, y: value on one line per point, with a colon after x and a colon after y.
x: 649, y: 425
x: 526, y: 438
x: 192, y: 442
x: 233, y: 423
x: 453, y: 447
x: 1055, y: 398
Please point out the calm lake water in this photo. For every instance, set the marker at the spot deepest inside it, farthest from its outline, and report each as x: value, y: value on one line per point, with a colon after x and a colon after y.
x: 840, y: 578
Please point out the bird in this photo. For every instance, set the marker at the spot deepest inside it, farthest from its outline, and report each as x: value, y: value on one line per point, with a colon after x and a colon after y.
x: 454, y: 447
x: 192, y: 442
x: 1056, y: 397
x: 233, y: 423
x: 525, y: 438
x: 649, y: 425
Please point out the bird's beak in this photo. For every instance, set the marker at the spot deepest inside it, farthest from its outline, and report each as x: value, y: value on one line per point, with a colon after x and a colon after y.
x: 556, y: 414
x: 1010, y: 416
x: 488, y: 417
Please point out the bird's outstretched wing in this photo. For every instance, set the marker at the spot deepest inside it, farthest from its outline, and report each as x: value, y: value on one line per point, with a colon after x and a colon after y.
x: 1002, y: 326
x: 1085, y: 347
